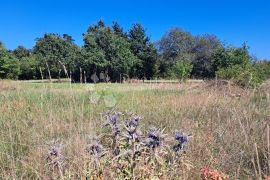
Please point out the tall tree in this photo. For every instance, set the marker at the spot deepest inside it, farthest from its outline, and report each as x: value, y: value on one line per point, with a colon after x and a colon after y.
x: 175, y: 42
x: 226, y: 57
x: 118, y: 30
x: 174, y: 45
x: 56, y: 53
x: 21, y: 52
x: 9, y: 65
x: 93, y: 56
x: 145, y: 51
x: 113, y: 50
x: 204, y: 48
x: 29, y: 67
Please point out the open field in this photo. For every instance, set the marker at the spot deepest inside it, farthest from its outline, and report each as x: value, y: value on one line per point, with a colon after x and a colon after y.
x: 229, y: 127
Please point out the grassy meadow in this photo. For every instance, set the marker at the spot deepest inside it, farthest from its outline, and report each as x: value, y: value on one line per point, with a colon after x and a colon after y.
x: 229, y: 128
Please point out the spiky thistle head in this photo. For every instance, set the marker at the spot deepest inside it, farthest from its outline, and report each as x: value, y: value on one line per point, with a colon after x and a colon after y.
x: 154, y: 138
x: 112, y: 119
x: 55, y: 152
x: 132, y: 124
x: 95, y: 148
x: 131, y: 128
x: 182, y: 140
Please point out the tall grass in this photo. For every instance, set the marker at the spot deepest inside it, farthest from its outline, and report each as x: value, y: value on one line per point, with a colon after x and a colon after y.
x: 230, y: 134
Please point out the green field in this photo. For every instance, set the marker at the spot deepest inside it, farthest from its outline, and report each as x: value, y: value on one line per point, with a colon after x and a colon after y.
x: 230, y: 132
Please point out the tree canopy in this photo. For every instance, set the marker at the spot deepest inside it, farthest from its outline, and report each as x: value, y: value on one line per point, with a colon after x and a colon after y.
x: 109, y: 53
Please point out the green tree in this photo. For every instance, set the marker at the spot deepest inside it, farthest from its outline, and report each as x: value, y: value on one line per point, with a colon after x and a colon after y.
x: 226, y: 57
x: 181, y: 70
x: 108, y: 51
x: 176, y: 42
x: 204, y: 48
x: 56, y: 53
x: 9, y: 65
x: 29, y: 67
x: 21, y: 52
x: 236, y: 64
x: 118, y: 30
x: 93, y: 56
x: 145, y: 51
x: 263, y: 69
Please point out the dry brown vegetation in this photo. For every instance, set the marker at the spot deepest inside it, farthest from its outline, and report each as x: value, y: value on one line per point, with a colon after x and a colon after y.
x: 229, y: 125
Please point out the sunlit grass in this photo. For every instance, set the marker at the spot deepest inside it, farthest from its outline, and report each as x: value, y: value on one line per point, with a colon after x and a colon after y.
x: 225, y: 129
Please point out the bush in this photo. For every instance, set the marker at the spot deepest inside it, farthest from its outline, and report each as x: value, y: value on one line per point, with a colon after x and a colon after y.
x: 29, y: 68
x: 245, y: 76
x: 181, y: 70
x: 263, y: 69
x: 9, y: 66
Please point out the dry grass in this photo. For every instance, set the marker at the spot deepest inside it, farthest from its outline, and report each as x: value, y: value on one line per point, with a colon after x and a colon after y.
x: 230, y: 126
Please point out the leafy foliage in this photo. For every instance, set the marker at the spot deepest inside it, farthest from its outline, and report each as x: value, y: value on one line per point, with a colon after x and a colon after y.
x: 56, y: 52
x: 111, y: 54
x: 109, y: 50
x: 182, y: 68
x: 9, y: 65
x: 235, y: 64
x: 144, y: 50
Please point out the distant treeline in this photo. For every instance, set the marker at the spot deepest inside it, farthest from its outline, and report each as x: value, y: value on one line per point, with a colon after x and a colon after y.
x: 111, y: 54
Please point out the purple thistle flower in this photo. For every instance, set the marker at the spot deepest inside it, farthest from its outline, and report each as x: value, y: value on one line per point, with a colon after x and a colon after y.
x: 54, y: 154
x: 132, y: 124
x: 112, y: 120
x: 153, y: 138
x: 95, y: 149
x: 182, y: 140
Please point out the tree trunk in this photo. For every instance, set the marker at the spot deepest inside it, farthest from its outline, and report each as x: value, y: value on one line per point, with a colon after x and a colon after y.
x: 49, y: 72
x: 65, y: 69
x: 70, y: 76
x: 84, y: 76
x: 59, y: 75
x: 81, y: 75
x: 41, y: 74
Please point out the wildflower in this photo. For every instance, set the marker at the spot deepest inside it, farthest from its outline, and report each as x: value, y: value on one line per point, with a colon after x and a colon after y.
x: 182, y: 140
x: 54, y: 154
x: 212, y: 174
x: 131, y: 127
x: 154, y: 137
x: 112, y: 121
x: 132, y: 124
x: 95, y: 149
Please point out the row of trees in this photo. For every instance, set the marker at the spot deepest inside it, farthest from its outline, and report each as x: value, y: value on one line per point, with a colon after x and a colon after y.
x: 115, y: 54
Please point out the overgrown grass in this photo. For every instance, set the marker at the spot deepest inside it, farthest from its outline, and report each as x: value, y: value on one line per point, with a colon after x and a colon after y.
x: 230, y: 134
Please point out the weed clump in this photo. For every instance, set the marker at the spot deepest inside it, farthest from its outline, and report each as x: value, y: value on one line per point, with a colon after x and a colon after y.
x: 126, y: 149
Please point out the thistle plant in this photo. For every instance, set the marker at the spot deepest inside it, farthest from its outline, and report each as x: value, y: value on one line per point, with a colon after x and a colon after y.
x: 112, y: 120
x: 154, y: 138
x: 131, y: 128
x: 132, y: 137
x: 182, y: 141
x: 130, y: 149
x: 96, y: 151
x: 54, y: 157
x: 176, y: 158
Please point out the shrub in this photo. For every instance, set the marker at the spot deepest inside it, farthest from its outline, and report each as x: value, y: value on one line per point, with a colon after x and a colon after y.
x: 240, y: 75
x: 181, y: 70
x: 263, y: 69
x: 9, y: 66
x: 126, y: 149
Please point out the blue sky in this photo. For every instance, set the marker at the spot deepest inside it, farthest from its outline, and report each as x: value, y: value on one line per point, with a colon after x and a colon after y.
x: 233, y: 21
